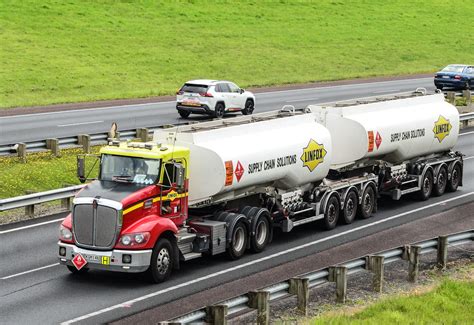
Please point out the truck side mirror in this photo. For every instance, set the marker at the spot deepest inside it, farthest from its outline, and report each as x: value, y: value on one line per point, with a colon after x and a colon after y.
x: 81, y: 169
x: 180, y: 175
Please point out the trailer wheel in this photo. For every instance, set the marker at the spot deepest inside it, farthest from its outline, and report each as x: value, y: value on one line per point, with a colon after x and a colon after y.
x: 260, y: 239
x: 350, y: 208
x: 426, y: 186
x: 440, y: 186
x: 238, y: 242
x: 161, y: 263
x: 331, y: 214
x: 366, y: 206
x: 73, y: 270
x: 455, y: 179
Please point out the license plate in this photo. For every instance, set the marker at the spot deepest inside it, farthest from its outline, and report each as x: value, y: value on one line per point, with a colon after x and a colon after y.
x: 191, y: 103
x: 104, y: 260
x: 446, y: 77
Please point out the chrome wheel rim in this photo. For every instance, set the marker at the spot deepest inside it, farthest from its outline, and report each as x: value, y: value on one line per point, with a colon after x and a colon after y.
x: 331, y: 213
x: 261, y: 232
x: 163, y: 261
x: 426, y: 185
x: 367, y: 202
x: 238, y: 239
x: 350, y: 208
x: 441, y: 180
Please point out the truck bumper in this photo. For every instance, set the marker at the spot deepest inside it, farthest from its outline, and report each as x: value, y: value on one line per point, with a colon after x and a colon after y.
x: 106, y: 260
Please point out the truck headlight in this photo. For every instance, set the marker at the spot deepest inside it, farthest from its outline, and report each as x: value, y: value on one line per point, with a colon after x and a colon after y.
x: 126, y: 240
x: 139, y: 238
x: 65, y: 234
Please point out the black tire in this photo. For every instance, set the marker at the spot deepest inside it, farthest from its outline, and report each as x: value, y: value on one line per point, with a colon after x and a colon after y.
x: 426, y: 186
x: 260, y: 239
x: 73, y: 270
x: 219, y: 110
x: 331, y: 213
x: 161, y: 264
x: 249, y: 107
x: 441, y: 181
x: 367, y: 204
x: 455, y: 180
x: 184, y: 114
x: 238, y: 242
x: 349, y: 210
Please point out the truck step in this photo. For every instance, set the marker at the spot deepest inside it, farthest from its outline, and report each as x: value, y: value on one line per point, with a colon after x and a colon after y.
x: 308, y: 220
x: 191, y: 256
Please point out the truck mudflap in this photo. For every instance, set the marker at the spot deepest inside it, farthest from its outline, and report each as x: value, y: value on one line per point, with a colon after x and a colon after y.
x: 116, y: 260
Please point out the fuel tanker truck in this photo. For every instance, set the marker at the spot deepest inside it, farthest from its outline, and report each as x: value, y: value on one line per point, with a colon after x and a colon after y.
x: 223, y: 186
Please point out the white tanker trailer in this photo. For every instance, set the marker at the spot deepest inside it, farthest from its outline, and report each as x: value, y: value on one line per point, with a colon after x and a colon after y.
x: 222, y: 186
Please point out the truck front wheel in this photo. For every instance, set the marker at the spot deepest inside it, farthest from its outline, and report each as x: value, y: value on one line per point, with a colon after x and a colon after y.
x: 161, y: 263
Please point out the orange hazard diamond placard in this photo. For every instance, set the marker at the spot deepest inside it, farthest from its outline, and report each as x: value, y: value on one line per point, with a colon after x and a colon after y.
x: 79, y: 261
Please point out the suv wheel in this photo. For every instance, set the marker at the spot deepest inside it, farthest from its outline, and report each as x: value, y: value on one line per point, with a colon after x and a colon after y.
x: 184, y: 114
x: 249, y: 107
x: 219, y: 110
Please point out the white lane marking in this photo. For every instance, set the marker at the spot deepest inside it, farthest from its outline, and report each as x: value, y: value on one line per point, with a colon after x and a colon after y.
x: 29, y: 271
x: 30, y: 226
x: 301, y: 100
x: 385, y: 91
x: 128, y: 303
x: 256, y: 94
x: 81, y: 123
x: 466, y: 133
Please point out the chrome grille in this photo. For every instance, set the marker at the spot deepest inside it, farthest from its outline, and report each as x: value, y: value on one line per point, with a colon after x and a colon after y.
x: 95, y: 225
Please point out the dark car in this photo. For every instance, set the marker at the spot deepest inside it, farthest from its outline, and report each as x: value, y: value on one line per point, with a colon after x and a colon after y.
x: 457, y: 76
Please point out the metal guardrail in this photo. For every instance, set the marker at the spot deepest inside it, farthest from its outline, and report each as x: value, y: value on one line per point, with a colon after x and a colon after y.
x: 30, y: 200
x: 101, y: 138
x: 244, y: 303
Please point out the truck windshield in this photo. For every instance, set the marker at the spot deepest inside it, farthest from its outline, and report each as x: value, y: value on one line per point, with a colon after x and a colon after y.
x: 129, y: 169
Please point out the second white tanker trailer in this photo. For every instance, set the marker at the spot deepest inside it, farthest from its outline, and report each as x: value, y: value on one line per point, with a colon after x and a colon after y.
x: 223, y: 186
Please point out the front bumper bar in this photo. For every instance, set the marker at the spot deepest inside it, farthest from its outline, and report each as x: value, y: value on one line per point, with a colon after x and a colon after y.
x: 140, y: 260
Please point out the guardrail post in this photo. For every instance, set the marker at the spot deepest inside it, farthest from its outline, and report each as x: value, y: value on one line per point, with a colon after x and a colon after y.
x: 338, y: 274
x: 451, y: 97
x: 260, y: 300
x: 142, y: 134
x: 467, y: 94
x: 376, y: 266
x: 21, y: 150
x: 216, y: 314
x: 300, y: 288
x: 53, y: 145
x: 442, y: 251
x: 66, y: 202
x: 84, y: 140
x: 413, y: 263
x: 30, y: 209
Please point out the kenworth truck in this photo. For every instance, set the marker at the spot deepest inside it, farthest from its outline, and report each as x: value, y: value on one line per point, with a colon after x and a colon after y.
x: 223, y: 186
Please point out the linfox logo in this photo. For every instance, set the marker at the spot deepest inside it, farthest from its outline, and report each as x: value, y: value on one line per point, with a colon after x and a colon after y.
x: 313, y: 155
x: 441, y: 128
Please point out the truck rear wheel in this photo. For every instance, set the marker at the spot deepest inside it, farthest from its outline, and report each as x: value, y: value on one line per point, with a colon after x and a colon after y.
x: 161, y: 263
x: 331, y: 213
x: 238, y: 242
x: 455, y: 179
x: 261, y: 237
x: 426, y: 186
x: 367, y: 204
x: 441, y: 182
x: 350, y: 208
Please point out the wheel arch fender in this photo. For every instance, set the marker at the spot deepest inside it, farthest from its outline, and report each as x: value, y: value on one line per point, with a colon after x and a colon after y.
x: 232, y: 219
x: 326, y: 198
x: 347, y: 191
x: 426, y: 169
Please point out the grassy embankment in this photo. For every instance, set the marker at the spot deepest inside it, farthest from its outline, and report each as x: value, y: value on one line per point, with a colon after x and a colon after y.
x: 56, y: 51
x: 450, y: 301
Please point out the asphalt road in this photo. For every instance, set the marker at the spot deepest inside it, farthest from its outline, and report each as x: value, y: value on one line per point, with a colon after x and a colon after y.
x: 31, y: 127
x: 35, y: 289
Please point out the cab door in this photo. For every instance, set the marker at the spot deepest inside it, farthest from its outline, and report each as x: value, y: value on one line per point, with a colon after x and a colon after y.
x: 174, y: 193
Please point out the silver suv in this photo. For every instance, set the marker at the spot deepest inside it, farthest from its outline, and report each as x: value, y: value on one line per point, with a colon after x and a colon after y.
x: 213, y: 97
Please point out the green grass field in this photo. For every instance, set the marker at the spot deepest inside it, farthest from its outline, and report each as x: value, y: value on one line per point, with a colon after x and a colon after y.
x: 42, y: 172
x: 450, y: 303
x: 56, y: 51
